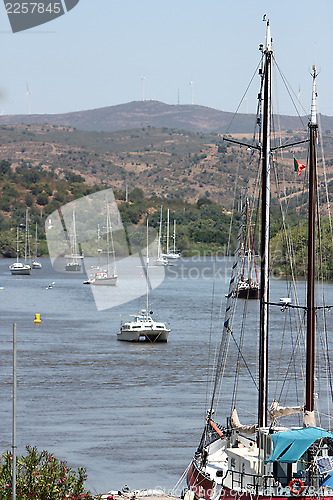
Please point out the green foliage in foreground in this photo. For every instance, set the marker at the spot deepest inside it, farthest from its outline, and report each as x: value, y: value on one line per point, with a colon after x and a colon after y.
x: 41, y: 476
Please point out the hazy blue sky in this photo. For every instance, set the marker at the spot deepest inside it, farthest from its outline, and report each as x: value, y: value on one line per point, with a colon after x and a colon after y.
x: 95, y: 55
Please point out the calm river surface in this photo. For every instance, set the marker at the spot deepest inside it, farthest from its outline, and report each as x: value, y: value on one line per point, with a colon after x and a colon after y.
x: 130, y: 413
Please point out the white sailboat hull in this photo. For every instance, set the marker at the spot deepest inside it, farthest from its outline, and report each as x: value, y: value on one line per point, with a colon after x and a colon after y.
x: 20, y: 269
x: 171, y: 255
x: 36, y: 265
x: 144, y: 335
x: 143, y: 329
x: 103, y: 279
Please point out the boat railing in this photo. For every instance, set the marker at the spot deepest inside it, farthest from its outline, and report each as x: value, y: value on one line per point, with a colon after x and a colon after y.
x: 276, y: 485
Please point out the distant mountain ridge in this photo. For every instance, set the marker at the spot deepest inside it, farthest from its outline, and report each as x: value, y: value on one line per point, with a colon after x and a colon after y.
x: 138, y: 114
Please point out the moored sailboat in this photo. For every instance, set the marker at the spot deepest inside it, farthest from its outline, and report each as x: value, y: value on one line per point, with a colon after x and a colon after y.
x: 73, y: 263
x: 143, y: 327
x: 107, y: 276
x: 20, y: 268
x: 247, y: 287
x: 268, y: 459
x: 35, y: 263
x: 171, y: 254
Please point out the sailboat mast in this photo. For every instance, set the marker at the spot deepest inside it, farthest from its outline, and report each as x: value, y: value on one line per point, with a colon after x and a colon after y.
x: 168, y: 224
x: 107, y: 238
x: 310, y: 350
x: 264, y: 291
x: 147, y: 276
x: 160, y: 234
x: 36, y: 243
x: 174, y: 236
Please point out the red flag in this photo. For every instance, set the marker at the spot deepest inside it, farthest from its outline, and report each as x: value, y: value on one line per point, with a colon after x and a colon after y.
x: 298, y: 166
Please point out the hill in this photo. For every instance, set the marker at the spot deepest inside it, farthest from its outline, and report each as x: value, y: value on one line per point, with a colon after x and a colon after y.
x: 138, y: 114
x: 162, y: 162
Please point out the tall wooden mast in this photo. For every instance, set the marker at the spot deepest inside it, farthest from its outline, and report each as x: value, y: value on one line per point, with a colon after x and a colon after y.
x: 310, y: 345
x: 265, y: 204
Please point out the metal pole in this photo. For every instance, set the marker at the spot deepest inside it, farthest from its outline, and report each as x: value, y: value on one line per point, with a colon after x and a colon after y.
x: 14, y: 412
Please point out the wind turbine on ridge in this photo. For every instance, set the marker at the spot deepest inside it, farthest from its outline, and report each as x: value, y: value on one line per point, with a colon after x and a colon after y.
x: 28, y: 97
x: 192, y: 100
x: 143, y: 87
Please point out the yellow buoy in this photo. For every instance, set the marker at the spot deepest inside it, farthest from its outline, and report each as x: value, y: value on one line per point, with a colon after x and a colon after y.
x: 37, y: 319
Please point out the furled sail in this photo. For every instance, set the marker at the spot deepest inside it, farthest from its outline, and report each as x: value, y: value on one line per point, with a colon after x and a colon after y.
x: 237, y: 426
x: 276, y: 410
x: 309, y: 419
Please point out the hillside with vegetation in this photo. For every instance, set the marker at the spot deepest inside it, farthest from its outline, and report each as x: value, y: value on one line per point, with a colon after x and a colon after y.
x: 200, y: 177
x: 166, y: 163
x: 201, y: 227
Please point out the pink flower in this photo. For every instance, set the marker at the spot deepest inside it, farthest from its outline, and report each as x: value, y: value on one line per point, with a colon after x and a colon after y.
x: 6, y: 485
x: 59, y: 481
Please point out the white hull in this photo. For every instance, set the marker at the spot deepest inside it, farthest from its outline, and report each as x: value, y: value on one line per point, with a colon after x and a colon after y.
x: 104, y: 280
x: 144, y: 335
x: 20, y: 269
x: 160, y: 261
x: 143, y: 328
x: 171, y: 255
x: 36, y: 265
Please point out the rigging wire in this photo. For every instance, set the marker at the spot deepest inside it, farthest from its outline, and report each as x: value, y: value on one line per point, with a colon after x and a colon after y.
x: 290, y: 92
x: 243, y: 97
x: 210, y: 332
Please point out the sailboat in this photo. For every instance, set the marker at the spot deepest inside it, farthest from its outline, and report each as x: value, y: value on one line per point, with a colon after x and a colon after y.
x: 160, y: 260
x: 107, y: 276
x: 35, y: 263
x: 74, y: 259
x: 20, y: 268
x: 247, y: 287
x: 286, y: 450
x: 143, y: 327
x: 171, y: 254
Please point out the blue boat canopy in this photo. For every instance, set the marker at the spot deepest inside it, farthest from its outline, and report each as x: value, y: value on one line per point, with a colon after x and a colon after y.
x: 289, y: 446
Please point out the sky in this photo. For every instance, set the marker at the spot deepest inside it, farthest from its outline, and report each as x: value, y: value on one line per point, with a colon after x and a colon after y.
x: 97, y: 53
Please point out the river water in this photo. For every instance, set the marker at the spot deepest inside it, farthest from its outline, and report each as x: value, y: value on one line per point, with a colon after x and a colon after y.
x: 130, y: 413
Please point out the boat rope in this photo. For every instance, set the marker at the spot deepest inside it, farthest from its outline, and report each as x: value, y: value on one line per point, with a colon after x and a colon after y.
x: 174, y: 491
x: 230, y: 308
x: 244, y: 95
x: 291, y: 93
x: 210, y: 334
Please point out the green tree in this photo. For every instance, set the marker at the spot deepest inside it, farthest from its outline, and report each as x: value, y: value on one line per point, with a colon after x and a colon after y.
x: 41, y: 475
